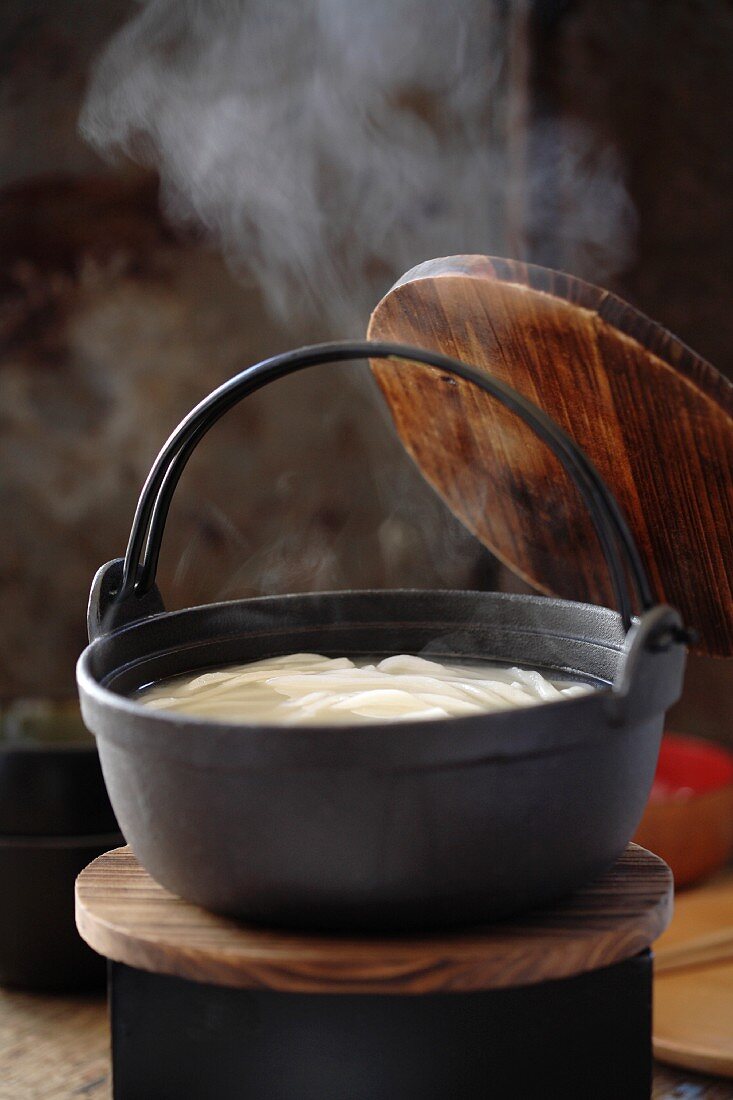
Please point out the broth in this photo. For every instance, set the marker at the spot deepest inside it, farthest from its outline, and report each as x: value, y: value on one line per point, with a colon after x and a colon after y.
x: 307, y: 689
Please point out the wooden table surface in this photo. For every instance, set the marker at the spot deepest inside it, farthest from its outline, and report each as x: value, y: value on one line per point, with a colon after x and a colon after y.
x: 57, y: 1048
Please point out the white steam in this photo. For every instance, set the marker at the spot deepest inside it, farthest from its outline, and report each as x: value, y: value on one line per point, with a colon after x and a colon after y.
x: 326, y: 146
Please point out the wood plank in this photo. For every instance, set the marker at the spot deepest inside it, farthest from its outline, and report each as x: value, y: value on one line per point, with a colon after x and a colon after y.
x: 125, y: 915
x: 53, y: 1047
x: 655, y: 419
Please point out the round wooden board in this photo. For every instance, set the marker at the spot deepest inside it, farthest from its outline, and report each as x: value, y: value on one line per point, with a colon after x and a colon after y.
x: 655, y: 419
x: 693, y: 1018
x: 693, y: 981
x: 123, y: 914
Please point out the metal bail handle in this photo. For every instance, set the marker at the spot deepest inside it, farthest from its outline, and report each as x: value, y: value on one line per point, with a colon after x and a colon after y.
x: 137, y: 582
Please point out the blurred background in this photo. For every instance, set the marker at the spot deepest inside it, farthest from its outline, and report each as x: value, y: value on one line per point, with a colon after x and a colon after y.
x: 187, y: 187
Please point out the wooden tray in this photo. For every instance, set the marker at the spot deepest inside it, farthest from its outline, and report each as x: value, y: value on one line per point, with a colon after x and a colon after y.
x: 693, y: 987
x: 693, y: 1018
x: 702, y: 929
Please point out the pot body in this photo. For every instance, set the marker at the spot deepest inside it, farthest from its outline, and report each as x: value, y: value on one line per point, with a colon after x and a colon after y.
x: 387, y: 826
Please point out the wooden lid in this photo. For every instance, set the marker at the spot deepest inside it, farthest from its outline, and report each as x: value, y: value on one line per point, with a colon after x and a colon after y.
x: 656, y: 421
x: 122, y: 913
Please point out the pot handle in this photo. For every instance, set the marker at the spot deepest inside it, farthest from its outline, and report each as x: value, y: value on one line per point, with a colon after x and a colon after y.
x: 124, y: 592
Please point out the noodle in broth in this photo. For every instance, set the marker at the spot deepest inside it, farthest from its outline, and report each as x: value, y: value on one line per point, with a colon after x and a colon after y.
x: 307, y: 689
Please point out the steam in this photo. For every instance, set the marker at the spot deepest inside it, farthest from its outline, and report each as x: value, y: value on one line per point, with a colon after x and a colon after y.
x: 326, y: 146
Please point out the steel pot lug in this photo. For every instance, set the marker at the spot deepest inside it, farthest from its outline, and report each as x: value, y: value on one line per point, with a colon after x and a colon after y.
x: 649, y: 677
x: 105, y: 613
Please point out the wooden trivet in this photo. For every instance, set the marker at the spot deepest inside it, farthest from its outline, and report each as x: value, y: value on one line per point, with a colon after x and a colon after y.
x: 125, y: 915
x: 554, y: 1003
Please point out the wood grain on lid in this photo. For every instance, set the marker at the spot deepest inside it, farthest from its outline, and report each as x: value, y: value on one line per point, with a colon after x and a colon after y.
x: 654, y: 418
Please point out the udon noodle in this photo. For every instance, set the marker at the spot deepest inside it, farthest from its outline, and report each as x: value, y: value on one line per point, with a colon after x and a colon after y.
x: 306, y: 689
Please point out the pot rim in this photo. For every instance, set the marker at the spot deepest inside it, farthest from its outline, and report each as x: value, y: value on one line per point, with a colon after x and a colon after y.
x: 404, y: 744
x: 87, y: 680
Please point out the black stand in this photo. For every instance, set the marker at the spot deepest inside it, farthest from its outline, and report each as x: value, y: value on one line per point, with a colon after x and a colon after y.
x: 581, y: 1038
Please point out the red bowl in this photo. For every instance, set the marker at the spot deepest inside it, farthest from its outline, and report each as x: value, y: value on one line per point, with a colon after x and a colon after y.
x: 688, y: 820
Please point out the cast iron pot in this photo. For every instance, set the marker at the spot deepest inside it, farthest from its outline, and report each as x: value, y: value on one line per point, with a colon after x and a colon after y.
x: 386, y: 826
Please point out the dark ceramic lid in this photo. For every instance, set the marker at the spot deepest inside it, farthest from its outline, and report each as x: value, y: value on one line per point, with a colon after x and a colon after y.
x: 654, y: 418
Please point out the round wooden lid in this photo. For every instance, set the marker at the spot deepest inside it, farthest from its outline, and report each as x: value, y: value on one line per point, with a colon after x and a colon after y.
x: 123, y: 914
x: 656, y: 421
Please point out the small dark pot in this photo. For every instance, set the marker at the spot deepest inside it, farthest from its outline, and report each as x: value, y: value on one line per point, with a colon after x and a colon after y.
x: 55, y: 816
x: 40, y: 947
x: 50, y: 780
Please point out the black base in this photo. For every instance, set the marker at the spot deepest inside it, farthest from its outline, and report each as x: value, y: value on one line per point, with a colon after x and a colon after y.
x: 584, y: 1037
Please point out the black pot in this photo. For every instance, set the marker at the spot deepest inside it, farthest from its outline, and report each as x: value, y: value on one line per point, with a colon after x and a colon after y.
x: 396, y: 826
x: 40, y: 948
x: 55, y: 816
x: 50, y: 780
